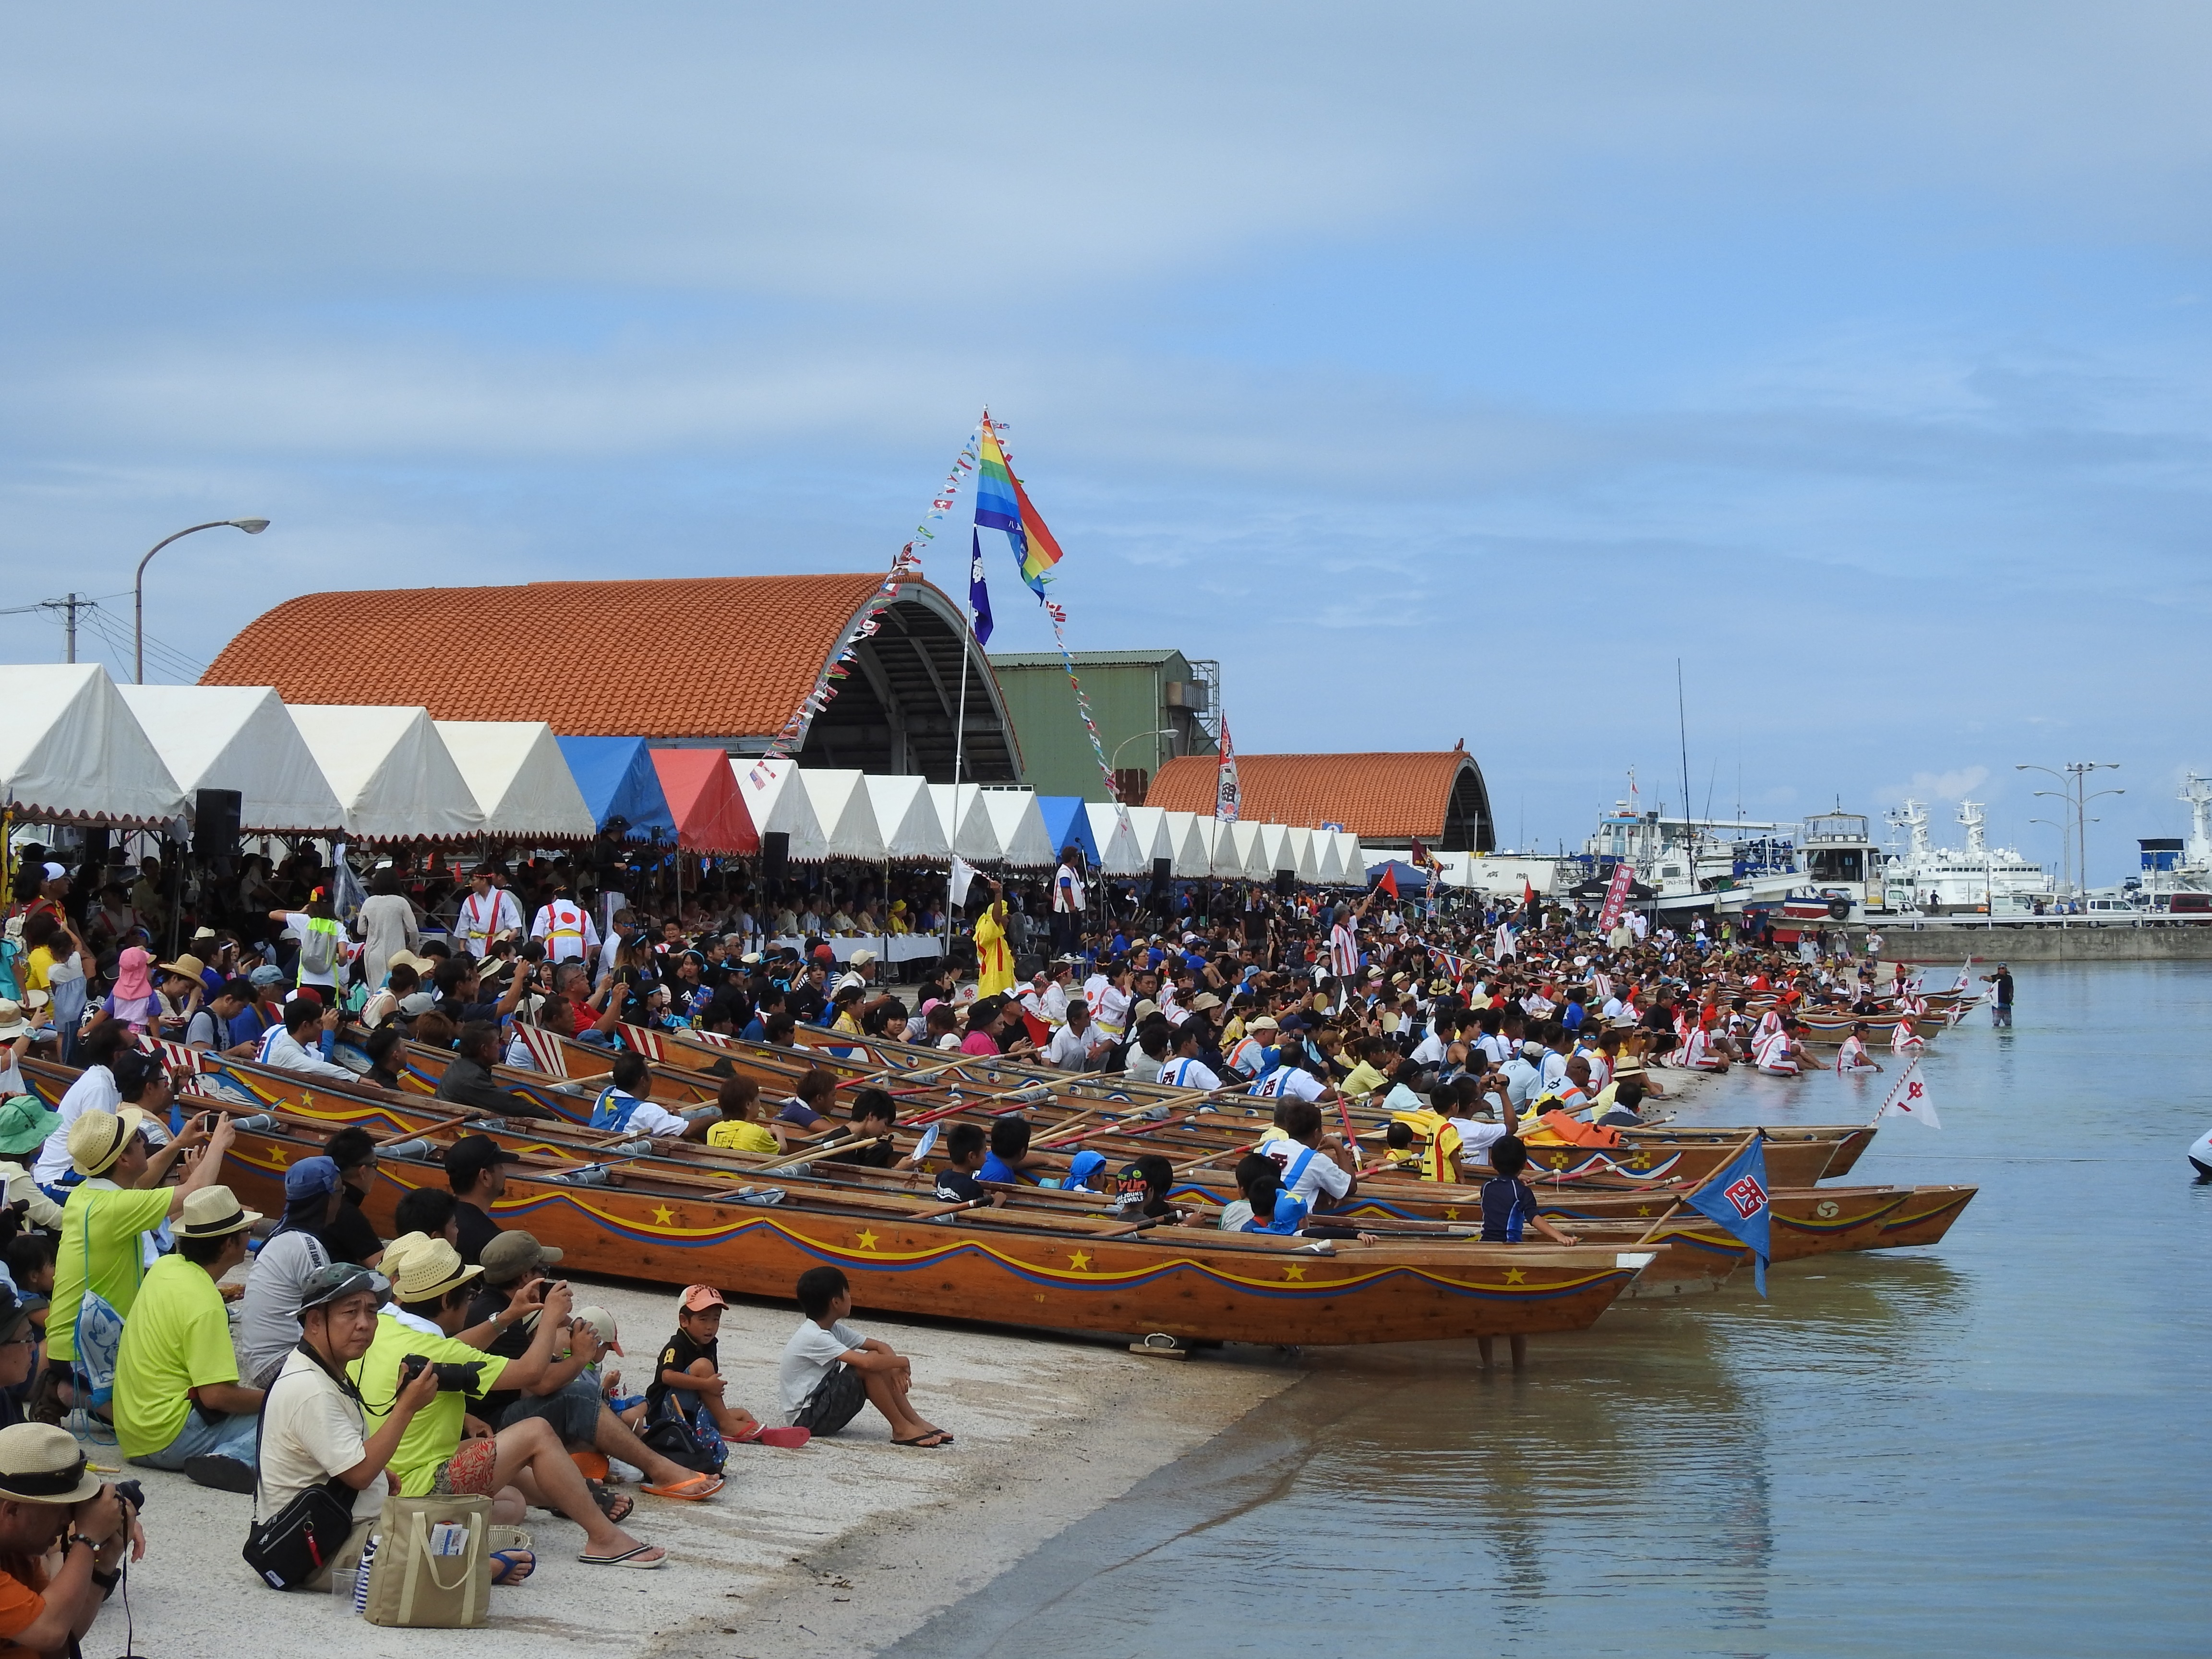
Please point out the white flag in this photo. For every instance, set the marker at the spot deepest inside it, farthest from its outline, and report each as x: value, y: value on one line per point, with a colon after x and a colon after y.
x: 962, y: 873
x: 1909, y: 1098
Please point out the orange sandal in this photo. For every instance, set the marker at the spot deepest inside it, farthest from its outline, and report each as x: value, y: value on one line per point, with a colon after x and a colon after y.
x: 695, y: 1490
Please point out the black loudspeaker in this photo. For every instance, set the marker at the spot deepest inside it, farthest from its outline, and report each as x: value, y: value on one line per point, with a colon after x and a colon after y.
x: 1162, y: 874
x: 215, y: 823
x: 1286, y: 882
x: 776, y: 853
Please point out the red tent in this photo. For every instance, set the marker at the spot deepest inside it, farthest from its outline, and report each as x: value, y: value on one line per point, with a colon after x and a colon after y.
x: 702, y: 796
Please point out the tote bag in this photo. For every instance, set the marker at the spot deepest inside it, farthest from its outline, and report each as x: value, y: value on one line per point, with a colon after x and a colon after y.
x: 412, y: 1588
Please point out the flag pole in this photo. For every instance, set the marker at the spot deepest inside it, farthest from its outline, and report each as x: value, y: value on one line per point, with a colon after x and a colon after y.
x: 959, y: 754
x: 1675, y: 1208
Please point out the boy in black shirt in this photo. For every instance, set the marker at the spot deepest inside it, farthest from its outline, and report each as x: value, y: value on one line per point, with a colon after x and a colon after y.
x: 964, y: 1152
x: 690, y: 1369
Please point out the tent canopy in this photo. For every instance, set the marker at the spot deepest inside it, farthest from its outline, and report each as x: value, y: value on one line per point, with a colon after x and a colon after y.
x: 907, y: 814
x: 1412, y: 879
x: 844, y: 809
x: 780, y: 806
x: 1148, y: 829
x: 1304, y: 852
x: 390, y: 770
x: 1118, y: 852
x: 1252, y: 851
x: 522, y: 784
x: 703, y: 795
x: 238, y: 737
x: 967, y: 821
x: 1019, y: 828
x: 615, y: 776
x: 71, y: 751
x: 1193, y: 855
x: 1066, y: 825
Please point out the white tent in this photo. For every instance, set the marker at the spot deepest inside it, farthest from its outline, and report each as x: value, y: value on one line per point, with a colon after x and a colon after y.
x: 71, y: 750
x: 1252, y: 852
x: 1353, y: 857
x: 1276, y: 851
x: 1194, y: 859
x: 779, y: 805
x: 390, y: 770
x: 238, y: 737
x: 1220, y: 838
x: 521, y: 784
x: 1113, y: 828
x: 967, y: 821
x: 1305, y: 855
x: 1019, y: 823
x: 1148, y: 827
x: 1328, y: 858
x: 907, y: 815
x: 840, y: 799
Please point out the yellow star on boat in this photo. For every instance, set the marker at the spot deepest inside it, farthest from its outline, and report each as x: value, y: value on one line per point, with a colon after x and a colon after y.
x: 663, y: 1214
x: 867, y: 1241
x: 307, y: 1102
x: 1451, y: 1215
x: 1515, y: 1276
x: 1293, y: 1273
x: 1643, y: 1209
x: 1079, y: 1261
x: 277, y: 1154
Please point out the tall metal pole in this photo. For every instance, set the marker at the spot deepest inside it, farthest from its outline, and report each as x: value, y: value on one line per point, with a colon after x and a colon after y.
x: 251, y: 526
x: 959, y: 756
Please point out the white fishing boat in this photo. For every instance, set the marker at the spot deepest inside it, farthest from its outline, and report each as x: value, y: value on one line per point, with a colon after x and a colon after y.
x: 1977, y: 880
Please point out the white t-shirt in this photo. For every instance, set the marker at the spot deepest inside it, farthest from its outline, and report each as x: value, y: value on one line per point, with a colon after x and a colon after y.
x: 1070, y: 1052
x: 648, y: 1119
x: 1477, y: 1137
x: 1493, y: 1048
x: 1188, y: 1074
x: 310, y: 1432
x: 807, y: 1359
x: 1293, y: 1081
x: 1234, y: 1215
x: 1430, y: 1050
x: 94, y: 1091
x: 1320, y: 1173
x: 302, y: 924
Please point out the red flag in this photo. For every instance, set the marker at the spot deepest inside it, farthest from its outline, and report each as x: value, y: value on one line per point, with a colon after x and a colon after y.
x: 1389, y: 882
x: 1527, y: 895
x: 1419, y: 858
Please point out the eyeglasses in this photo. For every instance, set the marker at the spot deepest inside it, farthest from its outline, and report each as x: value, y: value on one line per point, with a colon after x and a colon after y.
x: 30, y: 1341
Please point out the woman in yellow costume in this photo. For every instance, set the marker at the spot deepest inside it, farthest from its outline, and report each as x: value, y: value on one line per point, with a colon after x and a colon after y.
x: 995, y: 963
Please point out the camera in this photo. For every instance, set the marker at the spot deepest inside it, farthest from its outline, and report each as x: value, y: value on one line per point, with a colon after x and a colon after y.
x: 131, y: 1493
x: 459, y: 1378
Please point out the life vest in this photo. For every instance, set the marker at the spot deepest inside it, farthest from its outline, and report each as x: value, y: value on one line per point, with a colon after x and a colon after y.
x: 1558, y: 1127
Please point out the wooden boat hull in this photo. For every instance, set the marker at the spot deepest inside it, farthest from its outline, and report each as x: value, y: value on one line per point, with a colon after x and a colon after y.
x: 1926, y: 1217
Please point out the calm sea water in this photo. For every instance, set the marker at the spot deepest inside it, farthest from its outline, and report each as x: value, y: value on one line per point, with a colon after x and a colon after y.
x: 1997, y: 1445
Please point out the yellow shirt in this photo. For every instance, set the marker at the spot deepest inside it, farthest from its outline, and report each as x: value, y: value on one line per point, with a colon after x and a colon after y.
x: 739, y: 1135
x: 103, y: 1243
x: 1364, y: 1080
x: 994, y: 962
x: 177, y: 1339
x: 434, y: 1434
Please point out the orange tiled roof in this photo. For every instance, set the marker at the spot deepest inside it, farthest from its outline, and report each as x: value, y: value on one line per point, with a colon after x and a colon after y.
x: 1377, y: 795
x: 709, y: 656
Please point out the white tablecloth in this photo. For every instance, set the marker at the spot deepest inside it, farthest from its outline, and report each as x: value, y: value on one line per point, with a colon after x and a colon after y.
x: 892, y: 947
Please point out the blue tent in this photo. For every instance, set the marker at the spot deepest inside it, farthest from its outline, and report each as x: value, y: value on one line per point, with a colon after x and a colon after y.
x: 1068, y: 825
x: 1410, y: 878
x: 617, y: 778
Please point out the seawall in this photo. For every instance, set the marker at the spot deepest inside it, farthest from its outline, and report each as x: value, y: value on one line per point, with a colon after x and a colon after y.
x: 2087, y: 942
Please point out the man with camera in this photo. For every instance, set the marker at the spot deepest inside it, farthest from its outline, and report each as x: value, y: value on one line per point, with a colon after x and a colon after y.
x: 315, y: 1428
x: 50, y: 1499
x: 446, y: 1449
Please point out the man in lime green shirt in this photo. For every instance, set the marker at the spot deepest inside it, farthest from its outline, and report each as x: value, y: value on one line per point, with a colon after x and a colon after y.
x: 178, y: 1402
x: 107, y: 1217
x: 431, y: 1289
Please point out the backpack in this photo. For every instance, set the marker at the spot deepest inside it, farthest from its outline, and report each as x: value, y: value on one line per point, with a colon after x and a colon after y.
x: 671, y: 1434
x: 319, y: 951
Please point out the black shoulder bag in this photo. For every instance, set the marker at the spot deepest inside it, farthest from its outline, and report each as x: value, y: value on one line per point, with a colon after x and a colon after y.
x: 306, y: 1535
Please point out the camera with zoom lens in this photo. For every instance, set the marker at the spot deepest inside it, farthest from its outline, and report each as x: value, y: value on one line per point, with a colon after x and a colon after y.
x: 131, y: 1493
x: 455, y: 1379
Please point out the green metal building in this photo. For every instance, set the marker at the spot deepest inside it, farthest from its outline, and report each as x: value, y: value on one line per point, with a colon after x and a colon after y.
x: 1150, y: 706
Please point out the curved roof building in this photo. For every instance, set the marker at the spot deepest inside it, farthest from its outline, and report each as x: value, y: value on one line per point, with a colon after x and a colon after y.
x: 1437, y: 798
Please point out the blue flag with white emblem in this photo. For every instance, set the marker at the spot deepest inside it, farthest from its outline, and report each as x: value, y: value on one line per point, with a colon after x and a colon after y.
x: 1736, y: 1196
x: 979, y: 591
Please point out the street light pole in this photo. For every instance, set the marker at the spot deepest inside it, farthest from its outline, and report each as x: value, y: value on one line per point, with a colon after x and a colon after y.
x: 251, y: 526
x: 1114, y: 762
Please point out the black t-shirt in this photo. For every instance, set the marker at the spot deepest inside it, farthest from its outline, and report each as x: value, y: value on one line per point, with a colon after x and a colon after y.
x: 958, y: 1186
x: 877, y: 1157
x: 476, y: 1229
x: 512, y: 1343
x: 350, y: 1237
x: 2003, y: 983
x: 680, y: 1354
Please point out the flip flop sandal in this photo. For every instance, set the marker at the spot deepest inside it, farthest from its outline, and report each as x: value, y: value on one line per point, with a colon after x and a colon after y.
x: 930, y: 1442
x: 615, y: 1505
x: 633, y: 1559
x: 512, y: 1566
x: 695, y: 1490
x: 785, y: 1437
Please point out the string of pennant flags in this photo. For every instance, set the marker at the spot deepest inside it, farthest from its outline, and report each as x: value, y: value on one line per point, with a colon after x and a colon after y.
x: 905, y: 566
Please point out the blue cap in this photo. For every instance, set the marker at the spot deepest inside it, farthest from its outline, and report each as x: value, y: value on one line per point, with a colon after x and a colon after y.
x: 311, y: 1177
x: 1083, y: 1166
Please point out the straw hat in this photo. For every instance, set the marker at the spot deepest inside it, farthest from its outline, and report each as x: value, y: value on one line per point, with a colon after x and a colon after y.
x: 97, y: 1138
x: 12, y: 1022
x: 40, y: 1463
x: 212, y: 1211
x: 189, y: 966
x: 428, y: 1267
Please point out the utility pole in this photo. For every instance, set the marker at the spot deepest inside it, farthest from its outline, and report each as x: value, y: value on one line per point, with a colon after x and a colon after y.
x: 70, y: 606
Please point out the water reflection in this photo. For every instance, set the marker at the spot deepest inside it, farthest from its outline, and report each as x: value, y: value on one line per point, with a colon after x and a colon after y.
x: 1993, y: 1445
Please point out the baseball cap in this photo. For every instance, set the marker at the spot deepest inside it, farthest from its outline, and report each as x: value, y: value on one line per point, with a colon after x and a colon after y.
x: 472, y: 1155
x: 266, y: 975
x: 509, y: 1256
x: 602, y: 1321
x: 311, y: 1177
x: 697, y: 1298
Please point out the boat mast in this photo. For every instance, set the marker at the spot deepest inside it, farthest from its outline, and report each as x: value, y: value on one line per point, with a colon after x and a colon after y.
x: 1682, y: 729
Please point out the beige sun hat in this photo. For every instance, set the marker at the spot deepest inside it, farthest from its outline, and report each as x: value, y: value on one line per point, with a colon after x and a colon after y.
x: 212, y: 1211
x: 42, y: 1463
x: 97, y: 1138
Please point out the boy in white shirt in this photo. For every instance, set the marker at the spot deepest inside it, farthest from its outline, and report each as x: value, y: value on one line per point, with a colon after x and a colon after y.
x: 828, y: 1368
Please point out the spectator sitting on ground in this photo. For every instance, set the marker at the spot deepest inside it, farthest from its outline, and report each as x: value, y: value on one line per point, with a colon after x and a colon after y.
x: 829, y: 1369
x: 179, y: 1405
x: 50, y: 1502
x: 268, y: 1328
x: 431, y: 1210
x: 431, y: 1288
x: 475, y: 1170
x: 514, y: 1267
x: 314, y: 1430
x: 18, y: 1348
x: 24, y: 1123
x: 688, y: 1378
x: 347, y: 1236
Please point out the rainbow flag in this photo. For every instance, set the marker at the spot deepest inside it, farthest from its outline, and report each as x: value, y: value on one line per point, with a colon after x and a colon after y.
x: 1002, y: 503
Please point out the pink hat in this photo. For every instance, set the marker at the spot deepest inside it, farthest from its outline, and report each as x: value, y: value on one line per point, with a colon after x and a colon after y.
x: 697, y: 1298
x: 132, y: 980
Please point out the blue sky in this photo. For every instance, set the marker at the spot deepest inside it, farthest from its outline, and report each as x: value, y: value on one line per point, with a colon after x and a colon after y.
x: 1446, y: 371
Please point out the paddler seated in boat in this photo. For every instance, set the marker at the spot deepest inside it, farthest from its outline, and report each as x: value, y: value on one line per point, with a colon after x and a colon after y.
x: 1314, y: 1174
x: 874, y: 1116
x: 960, y: 1180
x: 738, y: 1099
x: 1186, y: 1068
x: 469, y: 1082
x: 1261, y: 1205
x: 626, y: 1103
x: 1297, y: 1078
x: 1010, y: 1157
x: 1141, y: 1192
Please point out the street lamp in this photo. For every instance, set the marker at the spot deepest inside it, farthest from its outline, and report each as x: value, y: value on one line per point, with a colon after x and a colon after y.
x: 251, y: 526
x: 1114, y: 762
x: 2081, y: 837
x: 2073, y: 776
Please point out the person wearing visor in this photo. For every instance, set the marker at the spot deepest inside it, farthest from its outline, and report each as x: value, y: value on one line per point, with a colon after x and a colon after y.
x: 314, y: 1428
x: 50, y: 1501
x: 105, y: 1247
